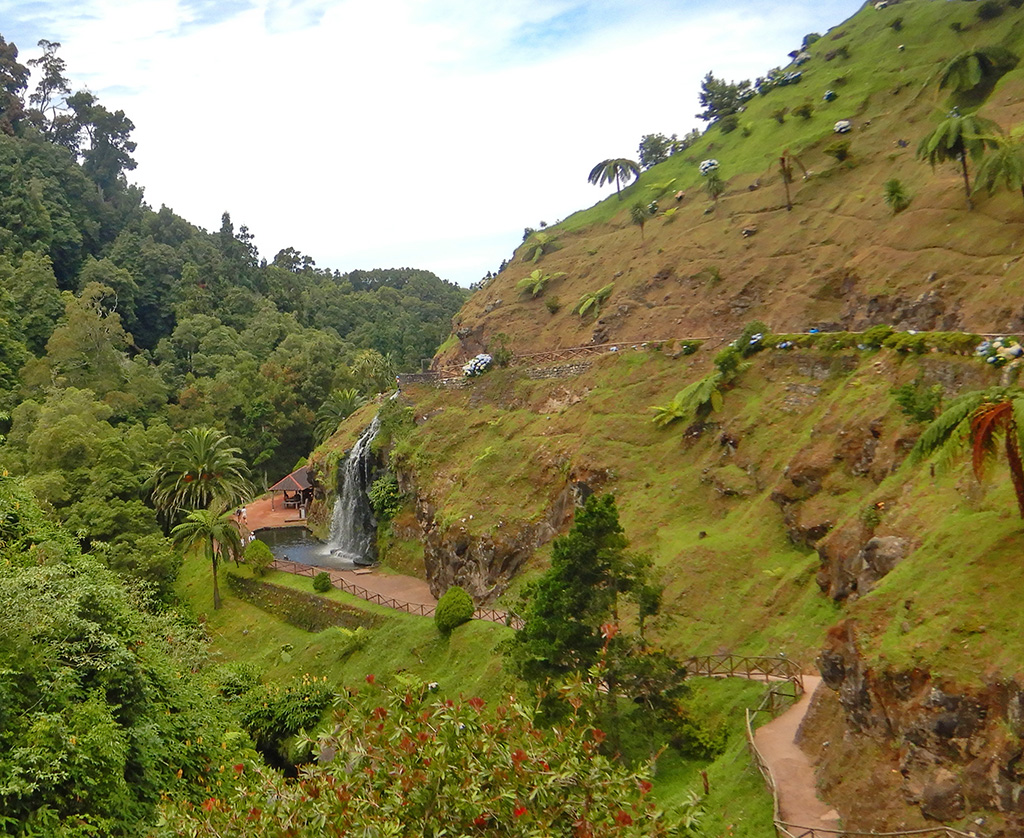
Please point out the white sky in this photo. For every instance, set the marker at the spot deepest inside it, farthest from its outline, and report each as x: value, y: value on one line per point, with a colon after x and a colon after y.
x: 389, y: 133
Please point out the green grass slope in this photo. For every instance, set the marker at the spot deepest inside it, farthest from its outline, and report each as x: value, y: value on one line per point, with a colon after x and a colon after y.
x: 840, y: 257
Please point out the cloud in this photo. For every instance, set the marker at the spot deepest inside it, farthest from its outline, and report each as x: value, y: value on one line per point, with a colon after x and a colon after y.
x: 371, y: 132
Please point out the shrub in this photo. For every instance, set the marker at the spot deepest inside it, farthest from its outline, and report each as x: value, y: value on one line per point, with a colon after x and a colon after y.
x: 453, y: 609
x: 322, y: 582
x: 896, y: 24
x: 780, y: 115
x: 751, y: 340
x: 911, y: 343
x: 500, y: 346
x: 274, y: 713
x: 804, y: 111
x: 919, y: 403
x: 258, y: 556
x: 385, y: 497
x: 990, y: 9
x: 840, y: 150
x: 875, y: 336
x: 728, y: 361
x: 552, y: 304
x: 729, y: 123
x: 896, y: 196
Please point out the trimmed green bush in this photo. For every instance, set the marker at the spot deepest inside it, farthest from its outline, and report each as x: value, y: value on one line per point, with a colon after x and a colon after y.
x: 322, y: 582
x: 453, y: 609
x: 258, y: 556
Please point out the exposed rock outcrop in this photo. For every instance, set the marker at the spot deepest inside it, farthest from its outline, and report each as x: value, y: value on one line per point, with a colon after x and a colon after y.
x: 954, y: 750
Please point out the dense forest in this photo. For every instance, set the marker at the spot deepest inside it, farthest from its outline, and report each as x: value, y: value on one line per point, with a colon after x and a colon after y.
x: 121, y: 326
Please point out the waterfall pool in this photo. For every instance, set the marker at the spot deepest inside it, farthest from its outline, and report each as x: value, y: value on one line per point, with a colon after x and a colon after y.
x: 297, y: 544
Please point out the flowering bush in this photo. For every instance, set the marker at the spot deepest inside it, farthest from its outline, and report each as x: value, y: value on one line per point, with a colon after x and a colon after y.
x: 708, y: 166
x: 478, y: 365
x: 1000, y: 352
x: 399, y: 761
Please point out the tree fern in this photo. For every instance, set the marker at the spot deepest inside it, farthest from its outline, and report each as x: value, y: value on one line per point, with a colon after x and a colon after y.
x: 699, y: 398
x: 594, y: 300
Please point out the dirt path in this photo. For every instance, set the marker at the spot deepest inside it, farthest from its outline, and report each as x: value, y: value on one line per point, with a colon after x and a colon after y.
x: 791, y: 768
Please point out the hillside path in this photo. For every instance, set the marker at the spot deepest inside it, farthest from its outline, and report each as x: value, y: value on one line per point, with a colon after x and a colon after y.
x: 259, y: 515
x: 791, y: 768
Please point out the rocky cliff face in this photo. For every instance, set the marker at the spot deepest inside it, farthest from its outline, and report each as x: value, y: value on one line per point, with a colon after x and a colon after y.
x: 952, y: 751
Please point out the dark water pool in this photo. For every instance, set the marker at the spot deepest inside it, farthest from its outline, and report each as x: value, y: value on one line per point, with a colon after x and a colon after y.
x: 297, y: 544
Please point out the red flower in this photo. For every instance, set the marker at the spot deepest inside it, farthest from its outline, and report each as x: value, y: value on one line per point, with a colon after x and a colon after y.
x: 481, y: 820
x: 609, y: 630
x: 380, y: 713
x: 644, y: 787
x: 239, y: 768
x: 599, y: 735
x: 209, y: 803
x: 476, y: 703
x: 518, y: 756
x: 623, y: 818
x: 519, y: 811
x: 254, y: 814
x: 370, y: 679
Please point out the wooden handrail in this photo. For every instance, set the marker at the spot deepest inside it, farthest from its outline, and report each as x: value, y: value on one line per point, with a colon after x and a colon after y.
x: 782, y: 670
x: 418, y: 609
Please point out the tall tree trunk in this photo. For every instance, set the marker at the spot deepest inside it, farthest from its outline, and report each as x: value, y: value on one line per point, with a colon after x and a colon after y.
x: 1016, y: 467
x: 967, y: 180
x: 216, y: 587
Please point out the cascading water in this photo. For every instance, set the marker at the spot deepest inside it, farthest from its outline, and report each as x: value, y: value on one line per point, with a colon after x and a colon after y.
x: 353, y: 527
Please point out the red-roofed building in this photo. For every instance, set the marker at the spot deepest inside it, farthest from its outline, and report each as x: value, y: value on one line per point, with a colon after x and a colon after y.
x: 296, y: 488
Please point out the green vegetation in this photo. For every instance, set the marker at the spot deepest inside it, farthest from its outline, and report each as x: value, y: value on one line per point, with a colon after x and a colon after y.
x: 592, y: 301
x: 618, y: 170
x: 537, y: 281
x: 978, y: 421
x: 896, y: 196
x: 216, y: 532
x: 258, y: 557
x: 405, y: 762
x: 322, y: 582
x: 454, y: 608
x: 956, y: 138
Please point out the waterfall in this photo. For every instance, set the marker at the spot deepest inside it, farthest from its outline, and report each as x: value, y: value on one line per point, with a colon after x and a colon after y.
x: 352, y: 524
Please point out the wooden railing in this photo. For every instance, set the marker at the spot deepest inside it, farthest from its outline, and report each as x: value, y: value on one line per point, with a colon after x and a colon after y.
x: 786, y: 678
x: 418, y: 609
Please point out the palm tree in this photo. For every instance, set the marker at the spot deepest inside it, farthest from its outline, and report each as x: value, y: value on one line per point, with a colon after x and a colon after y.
x: 216, y: 531
x: 1005, y: 164
x: 970, y: 68
x: 696, y: 400
x: 619, y: 170
x: 201, y: 466
x: 955, y: 138
x: 594, y: 300
x: 374, y: 372
x: 338, y: 406
x: 536, y: 282
x: 978, y: 420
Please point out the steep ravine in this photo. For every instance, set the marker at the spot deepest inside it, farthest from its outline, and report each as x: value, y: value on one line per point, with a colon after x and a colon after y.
x: 783, y: 517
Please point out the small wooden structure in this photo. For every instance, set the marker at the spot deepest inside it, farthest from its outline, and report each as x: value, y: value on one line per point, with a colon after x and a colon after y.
x: 296, y: 488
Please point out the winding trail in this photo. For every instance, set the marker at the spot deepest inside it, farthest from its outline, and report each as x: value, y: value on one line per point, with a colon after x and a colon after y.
x: 791, y: 768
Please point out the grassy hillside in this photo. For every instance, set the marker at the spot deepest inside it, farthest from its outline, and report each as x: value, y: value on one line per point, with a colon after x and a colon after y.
x: 840, y: 258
